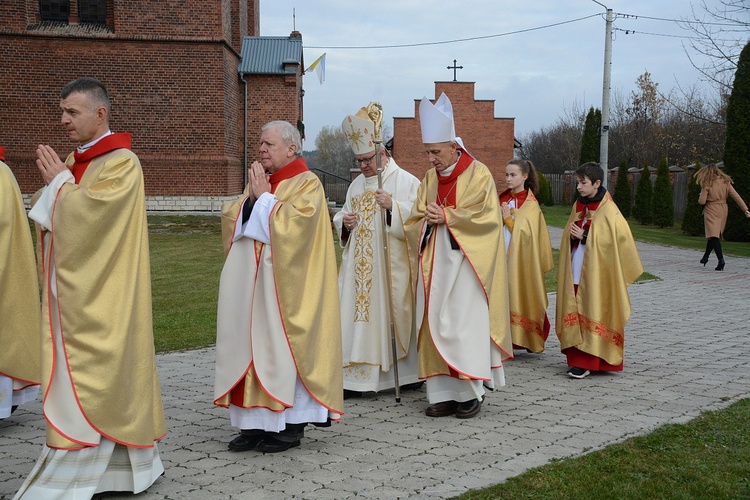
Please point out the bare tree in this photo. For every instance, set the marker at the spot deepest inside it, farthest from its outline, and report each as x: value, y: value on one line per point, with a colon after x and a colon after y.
x: 718, y: 33
x: 333, y: 152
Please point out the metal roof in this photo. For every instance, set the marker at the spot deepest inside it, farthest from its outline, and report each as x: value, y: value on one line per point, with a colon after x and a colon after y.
x: 266, y: 55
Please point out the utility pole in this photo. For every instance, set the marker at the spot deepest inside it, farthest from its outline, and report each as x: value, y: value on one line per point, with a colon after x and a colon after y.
x: 606, y: 87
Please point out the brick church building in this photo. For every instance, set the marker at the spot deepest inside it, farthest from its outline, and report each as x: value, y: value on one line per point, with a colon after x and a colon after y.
x: 186, y: 78
x: 490, y: 140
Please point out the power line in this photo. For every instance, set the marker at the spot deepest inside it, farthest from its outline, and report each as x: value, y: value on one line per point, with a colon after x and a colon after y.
x: 634, y: 32
x: 681, y: 21
x: 422, y: 44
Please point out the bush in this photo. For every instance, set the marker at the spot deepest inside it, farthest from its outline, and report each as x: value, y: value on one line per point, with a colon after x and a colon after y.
x: 642, y: 209
x: 692, y: 222
x: 663, y: 198
x: 737, y: 146
x: 545, y: 191
x: 622, y: 195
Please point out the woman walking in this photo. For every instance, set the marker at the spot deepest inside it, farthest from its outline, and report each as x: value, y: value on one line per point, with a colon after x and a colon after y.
x: 716, y: 186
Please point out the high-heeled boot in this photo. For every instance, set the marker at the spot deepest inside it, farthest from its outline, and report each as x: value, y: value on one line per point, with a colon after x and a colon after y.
x: 719, y: 254
x: 707, y: 253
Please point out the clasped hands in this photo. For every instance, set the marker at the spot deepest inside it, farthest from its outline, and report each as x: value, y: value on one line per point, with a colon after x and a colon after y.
x: 258, y: 180
x: 434, y: 214
x: 576, y: 231
x: 49, y: 163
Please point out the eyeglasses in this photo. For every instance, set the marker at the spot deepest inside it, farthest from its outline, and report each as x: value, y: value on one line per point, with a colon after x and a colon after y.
x: 365, y: 161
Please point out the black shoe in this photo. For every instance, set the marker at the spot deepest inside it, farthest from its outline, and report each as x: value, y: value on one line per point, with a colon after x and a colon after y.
x: 468, y: 409
x: 413, y: 387
x: 720, y: 267
x: 704, y: 261
x: 273, y: 445
x: 578, y: 373
x: 246, y: 441
x: 351, y: 394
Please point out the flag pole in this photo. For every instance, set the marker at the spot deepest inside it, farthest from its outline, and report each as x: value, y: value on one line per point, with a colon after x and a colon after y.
x: 375, y: 112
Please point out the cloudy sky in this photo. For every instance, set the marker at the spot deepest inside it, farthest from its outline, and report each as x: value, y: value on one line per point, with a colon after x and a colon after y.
x: 535, y: 59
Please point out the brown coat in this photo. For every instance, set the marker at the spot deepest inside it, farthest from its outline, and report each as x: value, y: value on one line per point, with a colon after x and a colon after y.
x: 714, y: 199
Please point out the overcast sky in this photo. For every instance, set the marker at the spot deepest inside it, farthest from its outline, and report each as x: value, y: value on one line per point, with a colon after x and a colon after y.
x: 535, y: 59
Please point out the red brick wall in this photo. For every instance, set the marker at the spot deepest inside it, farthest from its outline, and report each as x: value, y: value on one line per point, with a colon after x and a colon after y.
x: 267, y: 102
x: 171, y: 70
x: 488, y: 139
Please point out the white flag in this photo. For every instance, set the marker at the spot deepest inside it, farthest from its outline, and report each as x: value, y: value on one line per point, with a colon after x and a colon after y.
x: 320, y: 68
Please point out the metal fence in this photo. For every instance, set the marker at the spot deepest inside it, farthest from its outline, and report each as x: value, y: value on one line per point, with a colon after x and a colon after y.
x: 563, y: 187
x: 334, y: 185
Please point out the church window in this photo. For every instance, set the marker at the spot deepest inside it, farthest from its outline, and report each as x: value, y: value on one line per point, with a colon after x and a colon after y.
x: 54, y: 10
x: 92, y: 11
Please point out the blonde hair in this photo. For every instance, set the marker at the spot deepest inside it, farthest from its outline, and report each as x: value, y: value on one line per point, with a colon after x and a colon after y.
x: 706, y: 176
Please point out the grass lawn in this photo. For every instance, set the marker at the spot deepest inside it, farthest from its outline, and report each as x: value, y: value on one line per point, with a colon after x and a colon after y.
x: 709, y: 457
x: 186, y: 262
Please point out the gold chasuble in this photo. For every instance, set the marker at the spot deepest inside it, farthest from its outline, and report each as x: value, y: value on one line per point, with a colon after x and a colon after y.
x: 472, y: 219
x: 278, y: 316
x: 593, y: 320
x: 97, y: 299
x: 19, y: 288
x: 529, y: 258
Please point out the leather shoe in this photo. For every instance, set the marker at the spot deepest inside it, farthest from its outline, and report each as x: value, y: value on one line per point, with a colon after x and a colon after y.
x: 412, y: 387
x: 246, y: 442
x: 442, y: 409
x: 351, y: 394
x: 468, y: 409
x: 273, y: 445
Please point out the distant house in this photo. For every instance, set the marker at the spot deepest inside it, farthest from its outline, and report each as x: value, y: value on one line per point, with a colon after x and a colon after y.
x: 187, y: 79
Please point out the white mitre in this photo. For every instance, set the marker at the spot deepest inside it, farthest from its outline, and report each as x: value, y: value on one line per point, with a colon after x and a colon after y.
x: 437, y: 120
x: 360, y: 132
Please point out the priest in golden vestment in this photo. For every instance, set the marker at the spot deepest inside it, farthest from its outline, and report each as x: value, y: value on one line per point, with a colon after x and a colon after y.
x: 598, y: 261
x: 278, y: 342
x: 363, y: 284
x: 19, y: 299
x: 462, y: 292
x: 102, y: 399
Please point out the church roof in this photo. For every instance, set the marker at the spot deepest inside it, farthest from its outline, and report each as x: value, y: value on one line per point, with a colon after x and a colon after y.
x: 270, y: 55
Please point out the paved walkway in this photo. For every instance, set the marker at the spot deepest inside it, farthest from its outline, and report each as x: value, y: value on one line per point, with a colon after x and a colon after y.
x: 687, y: 350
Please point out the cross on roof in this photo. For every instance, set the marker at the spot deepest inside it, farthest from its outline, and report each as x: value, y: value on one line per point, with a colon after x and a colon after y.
x: 454, y: 68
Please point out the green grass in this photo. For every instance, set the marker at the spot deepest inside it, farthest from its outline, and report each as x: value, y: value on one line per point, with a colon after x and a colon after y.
x: 709, y: 457
x: 186, y: 262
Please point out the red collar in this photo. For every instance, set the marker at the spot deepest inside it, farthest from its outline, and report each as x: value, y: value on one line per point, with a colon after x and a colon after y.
x: 2, y: 153
x: 520, y: 198
x: 109, y: 143
x: 288, y: 171
x: 446, y: 195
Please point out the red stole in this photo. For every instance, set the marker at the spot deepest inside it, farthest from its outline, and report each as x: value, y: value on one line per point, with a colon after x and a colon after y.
x: 584, y: 220
x: 287, y: 172
x: 2, y: 153
x: 506, y: 197
x: 446, y: 193
x: 105, y: 145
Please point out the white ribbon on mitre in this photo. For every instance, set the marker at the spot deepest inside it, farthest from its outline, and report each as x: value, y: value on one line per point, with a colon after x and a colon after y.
x: 359, y: 132
x: 437, y: 120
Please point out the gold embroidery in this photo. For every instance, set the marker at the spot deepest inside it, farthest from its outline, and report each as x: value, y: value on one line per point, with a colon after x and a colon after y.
x: 364, y: 206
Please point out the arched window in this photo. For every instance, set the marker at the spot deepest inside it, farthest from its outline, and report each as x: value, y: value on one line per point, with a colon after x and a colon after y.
x: 54, y: 10
x: 92, y: 11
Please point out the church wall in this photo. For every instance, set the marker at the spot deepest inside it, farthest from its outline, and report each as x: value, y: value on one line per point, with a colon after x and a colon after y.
x: 172, y: 76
